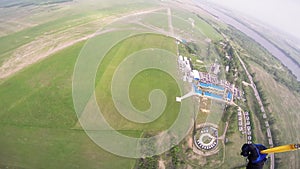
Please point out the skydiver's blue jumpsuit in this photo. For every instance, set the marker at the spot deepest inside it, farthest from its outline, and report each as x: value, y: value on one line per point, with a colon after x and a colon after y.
x: 252, y: 152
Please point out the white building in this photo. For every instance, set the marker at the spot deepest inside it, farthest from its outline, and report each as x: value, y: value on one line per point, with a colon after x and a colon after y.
x: 196, y: 74
x: 180, y: 59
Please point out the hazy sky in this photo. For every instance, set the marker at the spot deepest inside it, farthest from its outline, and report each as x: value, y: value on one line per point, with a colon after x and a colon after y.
x: 283, y: 14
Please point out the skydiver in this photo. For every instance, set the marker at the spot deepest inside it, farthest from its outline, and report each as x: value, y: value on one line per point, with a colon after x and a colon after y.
x: 256, y: 160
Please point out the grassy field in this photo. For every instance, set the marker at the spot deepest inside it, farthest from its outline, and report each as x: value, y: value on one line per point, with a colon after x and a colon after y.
x: 141, y: 85
x: 12, y: 3
x: 258, y: 134
x: 232, y: 151
x: 58, y: 26
x: 284, y: 105
x: 37, y: 117
x: 200, y: 25
x: 158, y: 19
x: 37, y: 108
x: 145, y: 82
x: 39, y: 127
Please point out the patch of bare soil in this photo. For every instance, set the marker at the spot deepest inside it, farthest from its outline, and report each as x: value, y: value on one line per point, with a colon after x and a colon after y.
x: 161, y: 164
x: 52, y: 42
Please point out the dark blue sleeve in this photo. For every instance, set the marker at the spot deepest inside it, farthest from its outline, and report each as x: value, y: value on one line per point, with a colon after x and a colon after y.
x: 261, y: 157
x: 252, y: 152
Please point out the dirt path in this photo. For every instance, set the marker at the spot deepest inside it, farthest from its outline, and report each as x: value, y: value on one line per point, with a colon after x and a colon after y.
x: 18, y: 63
x: 224, y: 133
x: 161, y: 164
x: 171, y: 28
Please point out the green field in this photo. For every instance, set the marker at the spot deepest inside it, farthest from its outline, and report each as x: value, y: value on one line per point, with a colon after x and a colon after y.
x: 37, y: 117
x: 140, y: 86
x: 76, y: 22
x: 205, y: 30
x: 158, y: 19
x: 39, y: 127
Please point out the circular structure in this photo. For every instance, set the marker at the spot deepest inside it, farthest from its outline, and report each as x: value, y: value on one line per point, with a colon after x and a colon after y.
x: 203, y: 139
x: 206, y: 138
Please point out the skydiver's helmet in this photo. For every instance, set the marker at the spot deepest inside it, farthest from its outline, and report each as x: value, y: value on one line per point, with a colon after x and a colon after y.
x: 252, y: 152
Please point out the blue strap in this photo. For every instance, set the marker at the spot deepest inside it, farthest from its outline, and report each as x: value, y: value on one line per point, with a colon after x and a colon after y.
x: 261, y: 157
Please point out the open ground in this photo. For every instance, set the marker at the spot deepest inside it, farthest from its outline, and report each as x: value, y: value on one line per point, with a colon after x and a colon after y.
x: 38, y: 125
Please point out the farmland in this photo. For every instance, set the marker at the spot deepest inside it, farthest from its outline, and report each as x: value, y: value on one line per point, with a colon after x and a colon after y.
x: 42, y: 43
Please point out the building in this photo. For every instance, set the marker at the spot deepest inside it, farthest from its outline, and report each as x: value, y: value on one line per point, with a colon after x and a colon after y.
x: 215, y: 69
x: 196, y: 75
